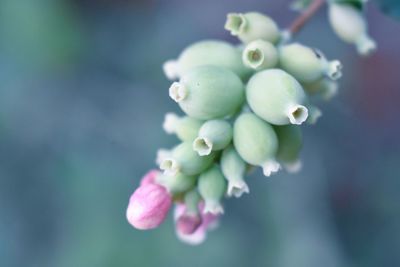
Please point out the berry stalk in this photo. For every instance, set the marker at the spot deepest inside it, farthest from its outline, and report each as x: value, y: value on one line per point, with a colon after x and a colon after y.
x: 299, y: 22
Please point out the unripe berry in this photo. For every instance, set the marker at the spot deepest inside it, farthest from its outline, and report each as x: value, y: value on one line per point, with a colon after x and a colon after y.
x: 162, y: 154
x: 186, y: 128
x: 259, y: 55
x: 349, y: 24
x: 290, y: 144
x: 326, y: 88
x: 256, y: 142
x: 252, y: 26
x: 314, y: 113
x: 188, y: 222
x: 208, y: 92
x: 306, y: 64
x: 276, y: 97
x: 183, y: 159
x: 192, y: 200
x: 212, y: 187
x: 213, y: 135
x: 240, y: 47
x: 207, y: 52
x: 233, y: 167
x: 177, y: 183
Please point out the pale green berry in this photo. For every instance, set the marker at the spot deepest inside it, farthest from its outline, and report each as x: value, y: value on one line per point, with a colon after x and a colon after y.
x: 252, y: 26
x: 208, y: 92
x: 186, y: 128
x: 183, y: 159
x: 276, y: 97
x: 350, y: 26
x: 306, y: 64
x: 192, y: 199
x: 213, y: 135
x: 234, y: 168
x: 212, y: 187
x: 314, y: 113
x: 240, y: 47
x: 329, y: 90
x: 171, y: 69
x: 177, y: 183
x: 256, y: 142
x: 207, y: 52
x: 260, y: 54
x: 324, y: 87
x: 163, y: 154
x: 290, y: 144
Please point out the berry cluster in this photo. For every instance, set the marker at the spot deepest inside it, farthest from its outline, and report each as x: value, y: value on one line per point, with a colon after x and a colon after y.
x: 243, y: 106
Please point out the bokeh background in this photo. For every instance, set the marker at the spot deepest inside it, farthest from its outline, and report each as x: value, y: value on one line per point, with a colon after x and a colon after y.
x: 82, y: 100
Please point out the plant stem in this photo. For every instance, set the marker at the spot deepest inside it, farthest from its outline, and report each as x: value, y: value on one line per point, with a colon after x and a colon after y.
x: 299, y: 22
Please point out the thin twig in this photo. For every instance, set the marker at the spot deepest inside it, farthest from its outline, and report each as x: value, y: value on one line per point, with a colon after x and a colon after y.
x: 299, y: 22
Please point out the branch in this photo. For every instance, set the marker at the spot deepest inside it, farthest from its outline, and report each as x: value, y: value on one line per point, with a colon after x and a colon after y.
x: 299, y: 22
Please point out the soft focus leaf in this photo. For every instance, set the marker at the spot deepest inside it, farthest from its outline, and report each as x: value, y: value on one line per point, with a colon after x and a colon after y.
x: 41, y: 33
x: 390, y: 7
x: 300, y: 5
x: 358, y: 4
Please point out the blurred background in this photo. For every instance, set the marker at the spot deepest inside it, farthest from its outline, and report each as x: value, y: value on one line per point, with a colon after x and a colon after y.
x: 82, y: 100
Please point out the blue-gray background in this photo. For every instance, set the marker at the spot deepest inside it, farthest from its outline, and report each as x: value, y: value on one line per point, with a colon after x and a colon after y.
x: 82, y: 98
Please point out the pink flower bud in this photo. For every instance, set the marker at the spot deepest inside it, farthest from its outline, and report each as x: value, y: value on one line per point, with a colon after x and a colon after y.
x: 150, y: 177
x: 148, y: 206
x: 208, y: 222
x: 188, y: 223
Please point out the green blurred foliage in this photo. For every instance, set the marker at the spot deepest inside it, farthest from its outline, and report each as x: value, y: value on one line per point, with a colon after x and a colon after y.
x: 40, y: 33
x: 390, y: 7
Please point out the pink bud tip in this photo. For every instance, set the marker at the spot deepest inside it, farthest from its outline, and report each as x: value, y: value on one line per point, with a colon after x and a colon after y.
x: 148, y: 206
x: 188, y: 224
x: 150, y: 177
x: 208, y: 222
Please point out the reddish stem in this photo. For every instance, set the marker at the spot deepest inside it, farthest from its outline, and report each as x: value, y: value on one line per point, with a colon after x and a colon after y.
x: 298, y: 23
